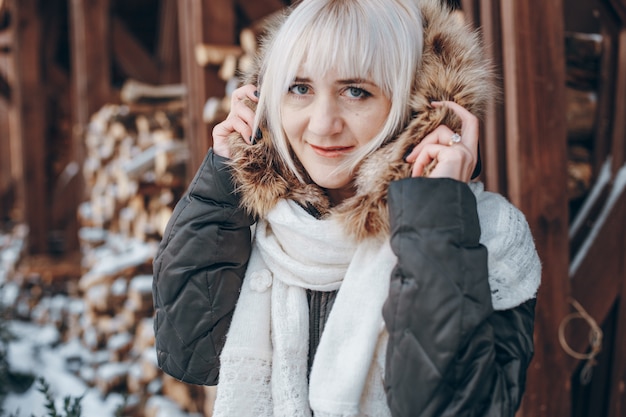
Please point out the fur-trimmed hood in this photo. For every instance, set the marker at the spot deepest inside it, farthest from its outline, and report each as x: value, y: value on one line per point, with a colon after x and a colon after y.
x: 453, y: 68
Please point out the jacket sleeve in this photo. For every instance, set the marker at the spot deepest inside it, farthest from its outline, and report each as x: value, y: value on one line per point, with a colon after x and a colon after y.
x: 449, y: 353
x: 198, y: 271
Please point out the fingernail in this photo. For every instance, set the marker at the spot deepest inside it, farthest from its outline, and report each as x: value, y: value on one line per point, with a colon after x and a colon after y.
x: 259, y: 134
x: 406, y: 155
x: 252, y: 140
x: 256, y: 93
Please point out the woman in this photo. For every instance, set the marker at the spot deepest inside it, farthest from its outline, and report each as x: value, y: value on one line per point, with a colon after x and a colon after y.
x: 331, y: 256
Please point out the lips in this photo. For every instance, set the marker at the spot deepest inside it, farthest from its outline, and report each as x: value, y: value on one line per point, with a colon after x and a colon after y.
x: 332, y: 151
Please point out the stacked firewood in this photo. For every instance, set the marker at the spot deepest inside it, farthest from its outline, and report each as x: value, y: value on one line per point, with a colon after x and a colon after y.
x: 135, y: 173
x: 116, y: 325
x: 134, y: 167
x: 583, y: 57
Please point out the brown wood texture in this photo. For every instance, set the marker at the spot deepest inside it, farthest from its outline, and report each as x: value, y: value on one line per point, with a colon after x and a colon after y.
x: 135, y: 61
x: 494, y: 152
x: 534, y: 82
x: 168, y: 55
x: 619, y: 124
x: 91, y: 64
x: 255, y: 10
x: 190, y: 25
x: 617, y: 395
x: 30, y: 115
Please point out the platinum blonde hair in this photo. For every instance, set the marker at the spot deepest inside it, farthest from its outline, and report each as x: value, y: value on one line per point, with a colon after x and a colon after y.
x: 362, y: 39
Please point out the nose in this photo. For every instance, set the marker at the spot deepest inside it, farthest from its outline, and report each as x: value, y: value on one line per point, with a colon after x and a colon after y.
x: 325, y: 118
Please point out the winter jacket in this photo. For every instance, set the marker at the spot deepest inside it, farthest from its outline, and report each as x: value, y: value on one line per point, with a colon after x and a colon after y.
x: 449, y: 353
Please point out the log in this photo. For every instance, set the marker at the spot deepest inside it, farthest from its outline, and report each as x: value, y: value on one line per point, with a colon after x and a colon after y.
x: 209, y: 54
x: 134, y: 91
x: 581, y: 114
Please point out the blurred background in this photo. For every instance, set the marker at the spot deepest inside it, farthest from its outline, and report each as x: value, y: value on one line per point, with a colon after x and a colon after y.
x: 106, y: 109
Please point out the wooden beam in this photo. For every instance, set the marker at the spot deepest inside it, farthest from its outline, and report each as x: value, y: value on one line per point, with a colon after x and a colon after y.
x: 131, y: 56
x: 619, y: 115
x: 6, y: 177
x: 91, y: 62
x: 168, y: 54
x: 534, y: 87
x: 596, y: 285
x: 617, y: 395
x: 30, y: 112
x: 494, y: 153
x: 197, y: 135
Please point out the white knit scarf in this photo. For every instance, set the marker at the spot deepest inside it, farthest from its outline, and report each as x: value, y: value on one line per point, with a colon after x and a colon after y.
x: 264, y: 362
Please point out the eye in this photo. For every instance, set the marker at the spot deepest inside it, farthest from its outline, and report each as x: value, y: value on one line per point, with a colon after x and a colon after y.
x: 299, y: 89
x: 357, y: 92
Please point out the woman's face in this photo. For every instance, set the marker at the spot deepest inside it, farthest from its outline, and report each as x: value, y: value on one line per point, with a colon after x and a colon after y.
x: 327, y: 118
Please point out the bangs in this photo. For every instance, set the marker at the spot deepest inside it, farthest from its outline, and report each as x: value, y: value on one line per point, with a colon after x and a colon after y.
x: 345, y: 43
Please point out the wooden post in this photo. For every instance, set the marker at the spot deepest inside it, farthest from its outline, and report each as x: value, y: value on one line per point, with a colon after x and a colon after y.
x: 89, y: 22
x: 91, y: 63
x: 494, y: 153
x: 534, y: 83
x: 167, y: 54
x: 202, y: 21
x: 30, y: 114
x: 617, y: 395
x: 190, y: 24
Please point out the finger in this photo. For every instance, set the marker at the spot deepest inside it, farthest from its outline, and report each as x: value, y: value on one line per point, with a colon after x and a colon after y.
x: 469, y: 122
x: 427, y: 155
x: 248, y: 91
x: 241, y: 111
x: 441, y: 135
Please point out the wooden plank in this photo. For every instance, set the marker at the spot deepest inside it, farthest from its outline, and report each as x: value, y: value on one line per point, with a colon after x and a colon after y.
x: 91, y: 62
x: 30, y: 112
x: 197, y: 135
x: 494, y: 161
x: 606, y: 87
x: 597, y: 270
x: 534, y: 87
x: 133, y: 59
x: 619, y: 118
x: 14, y: 202
x: 168, y: 55
x: 617, y: 398
x: 6, y: 177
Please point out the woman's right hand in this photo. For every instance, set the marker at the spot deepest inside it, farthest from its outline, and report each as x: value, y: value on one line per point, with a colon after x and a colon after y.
x: 240, y: 119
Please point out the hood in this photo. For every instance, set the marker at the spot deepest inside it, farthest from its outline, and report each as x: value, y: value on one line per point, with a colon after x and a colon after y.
x: 453, y: 68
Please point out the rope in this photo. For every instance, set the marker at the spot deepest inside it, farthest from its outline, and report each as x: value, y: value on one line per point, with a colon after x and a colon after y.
x: 595, y: 340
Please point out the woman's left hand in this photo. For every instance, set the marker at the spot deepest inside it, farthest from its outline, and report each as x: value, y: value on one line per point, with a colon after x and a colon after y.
x: 456, y: 152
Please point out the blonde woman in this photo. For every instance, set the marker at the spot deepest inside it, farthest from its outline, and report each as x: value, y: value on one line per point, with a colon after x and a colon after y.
x: 333, y: 256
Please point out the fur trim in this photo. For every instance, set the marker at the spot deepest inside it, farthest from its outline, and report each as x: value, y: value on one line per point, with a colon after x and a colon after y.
x: 453, y: 68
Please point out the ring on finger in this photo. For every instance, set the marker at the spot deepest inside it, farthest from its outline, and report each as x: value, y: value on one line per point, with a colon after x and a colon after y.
x: 455, y: 138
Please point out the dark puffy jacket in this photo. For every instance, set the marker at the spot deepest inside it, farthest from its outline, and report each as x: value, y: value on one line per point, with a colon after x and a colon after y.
x: 198, y: 272
x: 449, y: 353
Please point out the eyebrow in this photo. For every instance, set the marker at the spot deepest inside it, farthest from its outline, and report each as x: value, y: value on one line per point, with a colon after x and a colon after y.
x: 342, y: 82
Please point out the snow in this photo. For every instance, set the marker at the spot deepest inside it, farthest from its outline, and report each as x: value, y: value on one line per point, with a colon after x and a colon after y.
x: 73, y: 363
x: 37, y: 351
